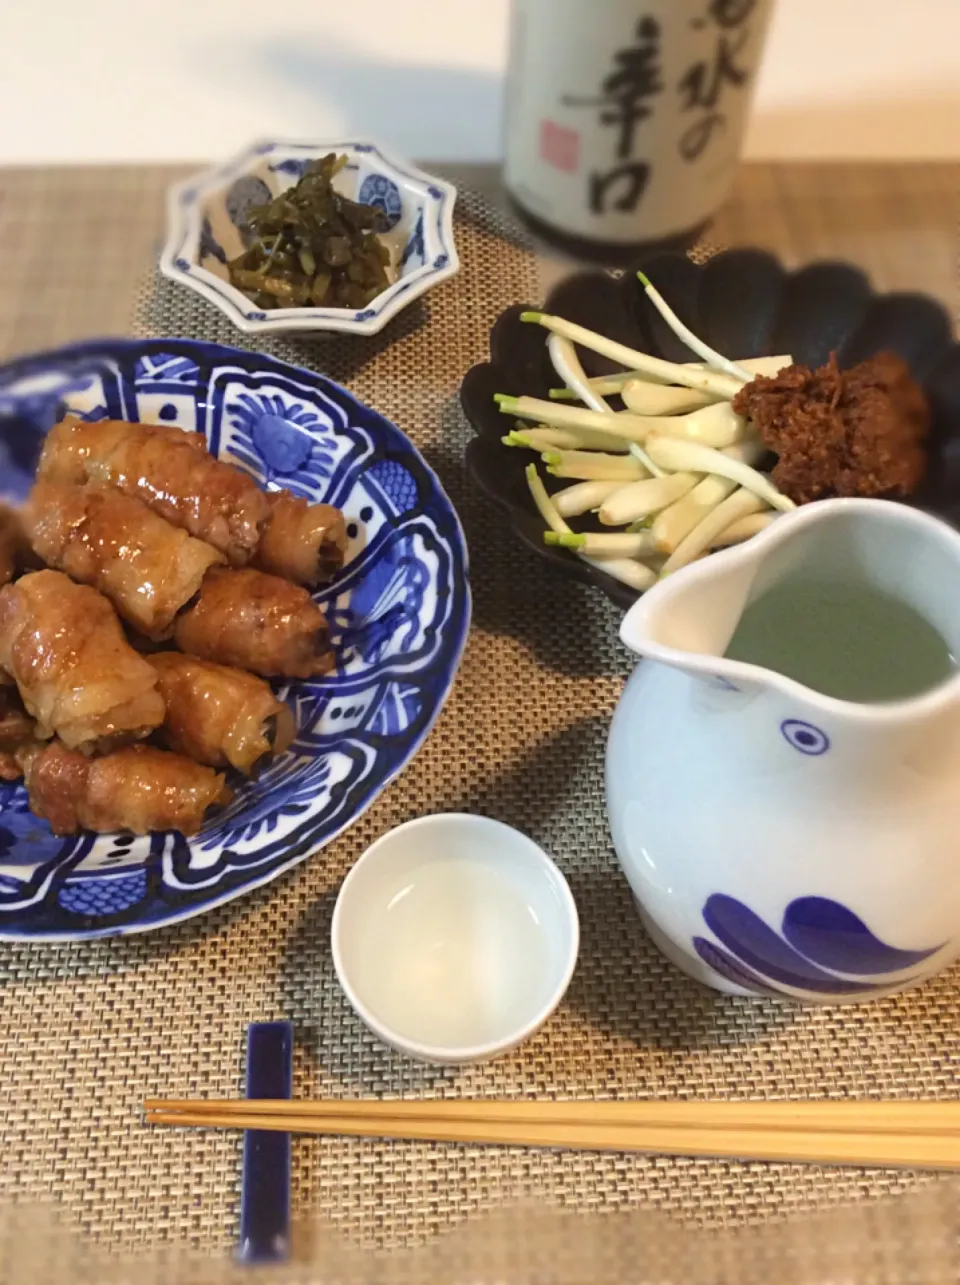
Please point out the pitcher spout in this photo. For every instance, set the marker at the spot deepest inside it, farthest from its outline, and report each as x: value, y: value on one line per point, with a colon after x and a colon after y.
x: 688, y: 619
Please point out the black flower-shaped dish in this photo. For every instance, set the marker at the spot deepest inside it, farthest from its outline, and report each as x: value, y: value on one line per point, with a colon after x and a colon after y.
x: 745, y: 304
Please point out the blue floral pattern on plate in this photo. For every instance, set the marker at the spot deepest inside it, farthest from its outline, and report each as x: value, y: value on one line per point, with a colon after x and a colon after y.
x: 399, y: 614
x: 210, y: 247
x: 244, y: 193
x: 819, y: 939
x: 29, y: 412
x: 378, y: 190
x: 295, y: 168
x: 414, y: 251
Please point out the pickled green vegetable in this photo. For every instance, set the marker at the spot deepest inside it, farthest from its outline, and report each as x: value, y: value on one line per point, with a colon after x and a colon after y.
x: 312, y: 247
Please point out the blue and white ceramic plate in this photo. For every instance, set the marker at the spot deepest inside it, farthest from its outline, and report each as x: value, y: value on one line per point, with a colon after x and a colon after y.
x: 206, y: 218
x: 399, y: 614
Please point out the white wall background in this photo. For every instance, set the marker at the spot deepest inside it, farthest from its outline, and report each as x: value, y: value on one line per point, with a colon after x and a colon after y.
x: 105, y: 80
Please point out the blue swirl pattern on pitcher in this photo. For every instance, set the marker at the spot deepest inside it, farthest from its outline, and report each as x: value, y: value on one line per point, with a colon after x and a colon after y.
x: 819, y: 938
x: 398, y: 613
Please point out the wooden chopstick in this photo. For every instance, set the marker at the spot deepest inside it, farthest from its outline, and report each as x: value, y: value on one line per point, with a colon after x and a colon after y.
x: 842, y: 1132
x: 867, y: 1116
x: 887, y: 1150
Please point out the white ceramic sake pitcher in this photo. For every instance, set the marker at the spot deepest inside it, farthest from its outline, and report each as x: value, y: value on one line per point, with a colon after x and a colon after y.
x: 779, y: 841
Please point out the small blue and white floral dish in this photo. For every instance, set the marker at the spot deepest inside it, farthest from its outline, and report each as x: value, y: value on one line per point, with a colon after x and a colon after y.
x: 206, y: 223
x: 398, y: 612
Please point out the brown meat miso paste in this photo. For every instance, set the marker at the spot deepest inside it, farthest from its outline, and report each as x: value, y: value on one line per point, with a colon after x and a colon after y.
x: 841, y: 432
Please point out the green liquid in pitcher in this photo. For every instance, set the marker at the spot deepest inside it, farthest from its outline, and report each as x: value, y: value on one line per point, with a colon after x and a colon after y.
x: 842, y: 639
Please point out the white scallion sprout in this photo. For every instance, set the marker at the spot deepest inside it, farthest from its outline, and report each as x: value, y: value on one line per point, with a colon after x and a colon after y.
x: 544, y: 438
x: 739, y: 505
x: 743, y: 529
x: 717, y: 426
x: 709, y: 355
x: 672, y: 453
x: 675, y: 523
x: 546, y: 506
x: 638, y: 453
x: 603, y: 545
x: 602, y: 427
x: 670, y: 371
x: 567, y: 365
x: 639, y: 499
x: 749, y: 451
x: 629, y: 572
x: 602, y: 386
x: 583, y: 497
x: 594, y: 466
x: 644, y: 398
x: 608, y: 385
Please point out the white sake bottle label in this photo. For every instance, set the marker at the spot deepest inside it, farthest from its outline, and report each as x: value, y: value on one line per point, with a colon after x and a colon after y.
x: 624, y: 121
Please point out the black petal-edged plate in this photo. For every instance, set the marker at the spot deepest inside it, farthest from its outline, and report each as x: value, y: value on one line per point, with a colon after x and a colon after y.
x: 745, y: 304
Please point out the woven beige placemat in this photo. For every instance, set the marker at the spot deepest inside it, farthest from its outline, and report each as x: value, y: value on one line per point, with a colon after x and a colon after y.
x: 87, y: 1031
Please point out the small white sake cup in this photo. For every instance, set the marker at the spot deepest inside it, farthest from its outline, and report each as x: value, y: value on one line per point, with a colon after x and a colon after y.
x: 454, y: 938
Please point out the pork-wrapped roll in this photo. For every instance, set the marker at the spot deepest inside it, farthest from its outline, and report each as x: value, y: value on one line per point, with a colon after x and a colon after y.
x: 138, y: 788
x: 170, y: 470
x: 10, y: 769
x: 175, y: 474
x: 219, y: 715
x: 147, y: 568
x: 78, y: 676
x: 300, y: 541
x: 250, y: 620
x: 15, y: 551
x: 17, y: 730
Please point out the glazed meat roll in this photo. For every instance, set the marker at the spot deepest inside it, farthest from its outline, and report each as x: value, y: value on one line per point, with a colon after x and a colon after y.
x: 78, y: 676
x: 15, y: 551
x: 250, y: 620
x: 10, y: 769
x: 170, y: 470
x: 147, y: 568
x: 218, y: 715
x: 300, y: 541
x: 138, y: 788
x: 17, y: 730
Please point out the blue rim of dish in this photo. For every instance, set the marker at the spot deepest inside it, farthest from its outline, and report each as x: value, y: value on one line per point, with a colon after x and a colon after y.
x: 184, y: 221
x: 311, y: 836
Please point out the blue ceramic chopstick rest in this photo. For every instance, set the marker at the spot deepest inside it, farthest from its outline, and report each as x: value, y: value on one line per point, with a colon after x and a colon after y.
x: 265, y: 1197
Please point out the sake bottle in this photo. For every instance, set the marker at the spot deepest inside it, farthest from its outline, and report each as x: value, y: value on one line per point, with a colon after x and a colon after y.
x: 625, y: 118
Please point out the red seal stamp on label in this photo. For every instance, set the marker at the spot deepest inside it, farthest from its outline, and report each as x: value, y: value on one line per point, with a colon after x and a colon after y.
x: 559, y: 146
